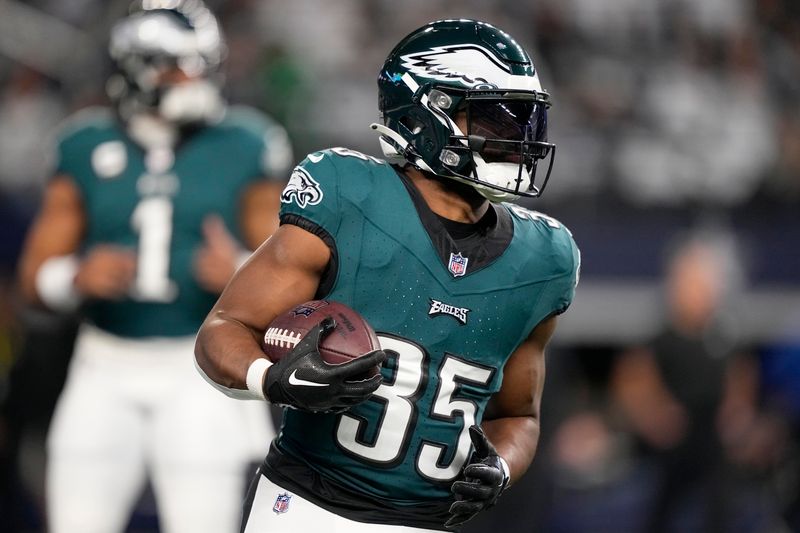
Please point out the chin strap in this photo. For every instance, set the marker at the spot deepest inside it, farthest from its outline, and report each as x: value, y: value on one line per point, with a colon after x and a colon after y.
x: 396, y: 151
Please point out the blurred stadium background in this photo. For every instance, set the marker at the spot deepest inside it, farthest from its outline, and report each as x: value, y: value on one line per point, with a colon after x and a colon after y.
x: 674, y: 119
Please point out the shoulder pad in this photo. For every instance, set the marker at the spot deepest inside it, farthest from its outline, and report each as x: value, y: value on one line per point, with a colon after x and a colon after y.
x: 555, y: 236
x: 247, y: 118
x: 265, y: 135
x: 343, y: 156
x: 90, y: 118
x: 535, y: 216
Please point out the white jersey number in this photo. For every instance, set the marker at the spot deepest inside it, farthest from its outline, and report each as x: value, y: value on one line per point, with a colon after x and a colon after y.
x: 152, y: 220
x: 400, y: 410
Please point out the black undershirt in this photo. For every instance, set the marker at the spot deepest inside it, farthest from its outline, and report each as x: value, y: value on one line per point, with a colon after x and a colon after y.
x: 462, y: 230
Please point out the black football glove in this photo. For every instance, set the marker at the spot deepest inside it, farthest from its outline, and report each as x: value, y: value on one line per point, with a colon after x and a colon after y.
x: 303, y: 380
x: 484, y: 481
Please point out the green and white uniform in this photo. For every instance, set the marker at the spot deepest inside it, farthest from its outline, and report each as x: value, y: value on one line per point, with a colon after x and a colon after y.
x: 134, y: 405
x: 453, y: 311
x: 154, y: 203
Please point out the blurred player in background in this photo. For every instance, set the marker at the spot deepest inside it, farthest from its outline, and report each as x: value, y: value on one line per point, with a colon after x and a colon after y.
x: 691, y: 394
x: 152, y: 206
x: 463, y: 288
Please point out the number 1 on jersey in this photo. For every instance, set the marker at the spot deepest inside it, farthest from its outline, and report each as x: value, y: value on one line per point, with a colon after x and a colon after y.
x: 152, y: 220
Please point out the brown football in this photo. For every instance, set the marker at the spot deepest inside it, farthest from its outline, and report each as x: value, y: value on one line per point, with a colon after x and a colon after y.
x: 352, y: 337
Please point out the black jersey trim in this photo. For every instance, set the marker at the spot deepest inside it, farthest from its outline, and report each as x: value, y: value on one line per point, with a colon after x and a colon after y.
x: 297, y: 477
x: 328, y: 278
x: 462, y: 230
x: 490, y: 239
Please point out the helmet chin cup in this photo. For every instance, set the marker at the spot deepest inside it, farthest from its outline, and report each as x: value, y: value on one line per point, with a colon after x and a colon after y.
x: 502, y: 175
x: 191, y: 102
x: 486, y: 175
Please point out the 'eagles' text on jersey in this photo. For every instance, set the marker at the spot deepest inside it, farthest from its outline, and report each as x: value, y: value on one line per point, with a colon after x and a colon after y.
x: 154, y: 203
x: 451, y: 312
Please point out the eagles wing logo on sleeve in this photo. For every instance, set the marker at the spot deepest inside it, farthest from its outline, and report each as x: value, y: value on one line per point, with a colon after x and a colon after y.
x: 469, y: 64
x: 302, y: 189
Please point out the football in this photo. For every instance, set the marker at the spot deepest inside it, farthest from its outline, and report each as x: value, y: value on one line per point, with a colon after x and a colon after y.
x: 352, y: 337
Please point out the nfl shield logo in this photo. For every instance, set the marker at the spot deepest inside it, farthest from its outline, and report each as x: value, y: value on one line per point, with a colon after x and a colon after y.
x: 308, y: 308
x: 282, y: 503
x: 458, y: 264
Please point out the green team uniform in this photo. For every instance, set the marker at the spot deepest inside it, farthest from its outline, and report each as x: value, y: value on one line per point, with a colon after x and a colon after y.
x: 453, y: 311
x: 155, y: 203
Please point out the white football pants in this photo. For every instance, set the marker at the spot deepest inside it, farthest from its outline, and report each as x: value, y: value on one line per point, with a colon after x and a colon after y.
x: 135, y: 409
x: 302, y: 516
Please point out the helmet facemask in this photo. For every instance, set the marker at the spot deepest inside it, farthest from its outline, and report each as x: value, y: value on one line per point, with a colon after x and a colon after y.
x: 497, y: 140
x: 494, y: 139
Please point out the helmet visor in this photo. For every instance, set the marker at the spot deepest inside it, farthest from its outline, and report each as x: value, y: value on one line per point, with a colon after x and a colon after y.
x: 512, y: 129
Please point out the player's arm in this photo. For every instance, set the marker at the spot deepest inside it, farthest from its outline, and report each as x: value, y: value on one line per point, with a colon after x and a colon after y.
x: 506, y: 441
x: 221, y: 253
x: 639, y: 390
x: 260, y: 207
x: 512, y: 418
x: 50, y: 271
x: 285, y: 271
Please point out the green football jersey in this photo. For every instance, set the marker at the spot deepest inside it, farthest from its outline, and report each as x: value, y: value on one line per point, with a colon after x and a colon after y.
x: 452, y: 311
x: 154, y: 203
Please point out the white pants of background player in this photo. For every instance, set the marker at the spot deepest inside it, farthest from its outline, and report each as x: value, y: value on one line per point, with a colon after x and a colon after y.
x: 302, y: 516
x: 133, y: 409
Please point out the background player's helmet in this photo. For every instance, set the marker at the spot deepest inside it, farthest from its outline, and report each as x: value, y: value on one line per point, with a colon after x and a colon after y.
x: 453, y: 66
x: 166, y: 54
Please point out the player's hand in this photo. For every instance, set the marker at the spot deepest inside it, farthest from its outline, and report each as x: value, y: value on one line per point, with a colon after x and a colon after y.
x: 216, y: 261
x: 484, y: 481
x: 106, y: 272
x: 303, y: 380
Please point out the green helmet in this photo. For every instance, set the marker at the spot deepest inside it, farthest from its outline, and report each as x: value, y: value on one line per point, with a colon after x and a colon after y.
x: 461, y: 99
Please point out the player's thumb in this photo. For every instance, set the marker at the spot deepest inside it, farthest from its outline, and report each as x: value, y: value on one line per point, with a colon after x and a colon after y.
x: 364, y: 364
x: 216, y: 234
x: 483, y: 448
x: 315, y: 335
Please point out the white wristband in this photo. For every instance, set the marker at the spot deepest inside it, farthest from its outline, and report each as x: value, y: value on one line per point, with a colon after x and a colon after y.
x: 255, y: 377
x: 55, y: 283
x: 506, y: 471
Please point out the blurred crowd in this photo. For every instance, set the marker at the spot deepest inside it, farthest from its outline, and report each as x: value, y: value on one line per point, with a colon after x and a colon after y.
x: 678, y: 167
x: 664, y: 102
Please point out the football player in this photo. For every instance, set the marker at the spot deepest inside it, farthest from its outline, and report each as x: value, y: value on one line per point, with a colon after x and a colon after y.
x: 152, y: 207
x: 462, y: 287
